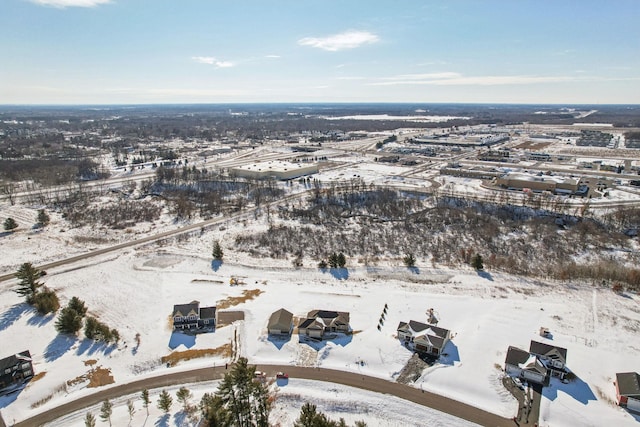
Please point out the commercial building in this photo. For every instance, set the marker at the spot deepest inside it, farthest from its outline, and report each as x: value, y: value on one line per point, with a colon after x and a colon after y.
x: 275, y: 169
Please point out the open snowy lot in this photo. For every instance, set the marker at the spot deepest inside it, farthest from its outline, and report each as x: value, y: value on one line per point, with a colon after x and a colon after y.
x: 135, y: 291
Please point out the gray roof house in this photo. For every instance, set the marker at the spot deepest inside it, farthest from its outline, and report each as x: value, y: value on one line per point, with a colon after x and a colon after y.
x: 424, y: 338
x: 280, y: 323
x: 15, y: 370
x: 318, y: 322
x: 554, y: 357
x: 193, y: 317
x: 526, y: 366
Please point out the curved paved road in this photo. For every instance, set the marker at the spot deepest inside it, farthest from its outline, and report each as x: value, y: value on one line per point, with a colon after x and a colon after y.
x: 435, y: 401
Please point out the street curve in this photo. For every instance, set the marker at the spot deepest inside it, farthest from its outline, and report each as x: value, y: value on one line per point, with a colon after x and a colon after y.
x: 351, y: 379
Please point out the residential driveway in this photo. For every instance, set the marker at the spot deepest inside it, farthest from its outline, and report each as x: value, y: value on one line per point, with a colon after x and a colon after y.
x: 351, y: 379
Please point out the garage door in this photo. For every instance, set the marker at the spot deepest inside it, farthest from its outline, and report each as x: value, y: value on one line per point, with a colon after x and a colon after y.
x: 633, y: 404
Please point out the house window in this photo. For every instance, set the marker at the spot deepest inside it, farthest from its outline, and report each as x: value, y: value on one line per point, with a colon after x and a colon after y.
x: 26, y: 366
x: 7, y: 371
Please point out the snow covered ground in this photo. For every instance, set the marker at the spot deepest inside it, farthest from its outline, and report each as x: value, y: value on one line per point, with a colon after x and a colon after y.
x: 135, y: 293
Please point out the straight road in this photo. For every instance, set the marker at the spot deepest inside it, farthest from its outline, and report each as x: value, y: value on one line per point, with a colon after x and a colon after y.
x: 351, y: 379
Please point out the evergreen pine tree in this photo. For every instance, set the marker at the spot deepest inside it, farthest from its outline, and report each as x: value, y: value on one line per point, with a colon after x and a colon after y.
x: 144, y: 395
x: 183, y: 394
x: 28, y: 284
x: 217, y: 251
x: 77, y: 305
x: 89, y: 420
x: 409, y: 260
x: 10, y: 224
x: 69, y: 321
x: 106, y: 410
x: 165, y: 401
x: 42, y: 219
x: 341, y: 260
x: 477, y: 262
x: 333, y: 260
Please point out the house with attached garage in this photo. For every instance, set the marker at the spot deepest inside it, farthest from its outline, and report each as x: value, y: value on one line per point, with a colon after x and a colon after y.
x: 280, y: 323
x: 526, y: 366
x: 319, y: 322
x: 192, y: 317
x: 553, y: 357
x: 628, y: 390
x: 423, y: 337
x: 15, y: 370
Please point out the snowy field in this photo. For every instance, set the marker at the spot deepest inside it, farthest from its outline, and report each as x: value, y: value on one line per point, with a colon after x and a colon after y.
x: 136, y: 290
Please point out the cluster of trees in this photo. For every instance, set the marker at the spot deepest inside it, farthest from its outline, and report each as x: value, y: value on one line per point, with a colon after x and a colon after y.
x: 374, y: 225
x: 98, y: 331
x: 42, y: 220
x: 118, y: 214
x: 36, y: 294
x: 336, y: 260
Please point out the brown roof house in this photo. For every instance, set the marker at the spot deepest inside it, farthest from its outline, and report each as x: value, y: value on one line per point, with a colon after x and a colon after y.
x: 193, y: 317
x: 15, y: 370
x: 628, y: 390
x: 319, y: 322
x: 280, y: 323
x: 525, y: 366
x: 423, y: 338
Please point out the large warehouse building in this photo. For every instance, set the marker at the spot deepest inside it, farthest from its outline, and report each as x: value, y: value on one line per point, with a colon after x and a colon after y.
x: 553, y: 184
x: 275, y: 169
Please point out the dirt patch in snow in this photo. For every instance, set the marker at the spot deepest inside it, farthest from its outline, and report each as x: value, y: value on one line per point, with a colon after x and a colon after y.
x: 178, y: 356
x: 247, y: 295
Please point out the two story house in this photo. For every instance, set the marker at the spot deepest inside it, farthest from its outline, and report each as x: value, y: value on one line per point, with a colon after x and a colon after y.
x: 15, y: 370
x: 193, y: 317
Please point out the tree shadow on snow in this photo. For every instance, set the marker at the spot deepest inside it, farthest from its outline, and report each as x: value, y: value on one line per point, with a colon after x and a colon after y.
x: 10, y: 316
x: 178, y: 338
x: 339, y: 273
x: 91, y: 347
x: 485, y: 275
x: 216, y: 264
x: 414, y: 270
x: 59, y: 346
x: 450, y: 354
x: 38, y: 320
x: 279, y: 340
x: 576, y: 388
x: 163, y: 421
x: 180, y: 418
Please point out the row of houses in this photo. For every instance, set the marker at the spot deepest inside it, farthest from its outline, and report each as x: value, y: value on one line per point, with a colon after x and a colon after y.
x: 425, y: 338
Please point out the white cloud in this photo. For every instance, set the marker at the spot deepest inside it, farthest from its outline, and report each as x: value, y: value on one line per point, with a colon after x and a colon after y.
x: 272, y: 56
x: 210, y: 60
x: 346, y: 40
x: 70, y: 3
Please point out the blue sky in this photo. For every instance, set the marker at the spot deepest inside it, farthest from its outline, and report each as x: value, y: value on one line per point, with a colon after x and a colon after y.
x: 214, y: 51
